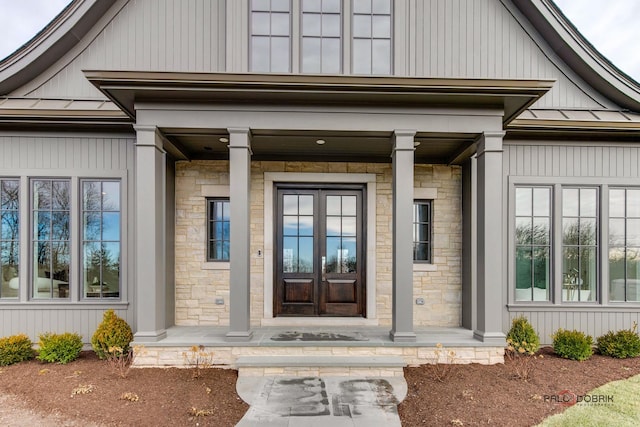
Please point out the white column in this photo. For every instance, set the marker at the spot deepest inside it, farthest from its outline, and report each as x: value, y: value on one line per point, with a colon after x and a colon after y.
x: 150, y: 238
x: 490, y: 239
x: 402, y: 293
x: 239, y: 189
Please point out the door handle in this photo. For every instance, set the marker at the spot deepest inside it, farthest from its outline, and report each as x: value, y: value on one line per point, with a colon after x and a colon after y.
x: 324, y: 268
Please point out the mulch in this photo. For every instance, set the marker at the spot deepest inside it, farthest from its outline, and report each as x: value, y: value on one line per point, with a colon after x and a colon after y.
x: 466, y: 395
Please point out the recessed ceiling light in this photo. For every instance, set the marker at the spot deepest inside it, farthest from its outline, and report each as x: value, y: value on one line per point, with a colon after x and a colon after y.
x: 416, y: 143
x: 223, y: 140
x: 320, y: 141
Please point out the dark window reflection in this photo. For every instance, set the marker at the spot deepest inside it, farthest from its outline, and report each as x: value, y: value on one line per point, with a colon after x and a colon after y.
x: 9, y: 237
x: 218, y: 229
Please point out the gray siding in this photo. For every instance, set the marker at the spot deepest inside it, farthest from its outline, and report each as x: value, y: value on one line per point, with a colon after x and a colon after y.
x: 594, y: 323
x: 144, y: 35
x: 40, y: 155
x: 581, y: 159
x: 570, y: 163
x: 482, y: 39
x: 432, y: 38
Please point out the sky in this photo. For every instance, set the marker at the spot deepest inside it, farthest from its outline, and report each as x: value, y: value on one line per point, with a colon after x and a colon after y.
x: 612, y: 26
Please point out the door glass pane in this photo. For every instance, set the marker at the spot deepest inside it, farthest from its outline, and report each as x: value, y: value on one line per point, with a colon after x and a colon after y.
x: 305, y: 226
x: 279, y: 24
x: 348, y: 252
x: 333, y: 254
x: 333, y: 226
x: 311, y: 55
x: 349, y: 205
x: 305, y: 255
x: 331, y: 56
x: 588, y: 202
x: 330, y: 25
x: 333, y: 205
x: 306, y: 205
x: 290, y: 225
x: 523, y: 201
x: 331, y: 6
x: 9, y: 194
x: 541, y: 202
x: 290, y: 204
x: 587, y: 231
x: 349, y: 226
x: 290, y: 254
x: 571, y: 231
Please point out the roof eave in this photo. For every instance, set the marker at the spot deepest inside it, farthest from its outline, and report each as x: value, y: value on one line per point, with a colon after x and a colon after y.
x: 579, y: 54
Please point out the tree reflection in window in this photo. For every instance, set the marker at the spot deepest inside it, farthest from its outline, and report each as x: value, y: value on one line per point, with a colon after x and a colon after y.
x: 341, y: 234
x: 579, y: 243
x: 9, y: 237
x: 51, y: 234
x: 533, y: 243
x: 624, y: 244
x: 101, y: 238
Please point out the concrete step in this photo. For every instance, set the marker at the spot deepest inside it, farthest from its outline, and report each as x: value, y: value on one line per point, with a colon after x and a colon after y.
x: 386, y: 366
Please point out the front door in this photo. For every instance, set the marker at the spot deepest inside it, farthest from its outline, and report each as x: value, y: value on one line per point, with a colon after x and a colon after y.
x: 319, y: 251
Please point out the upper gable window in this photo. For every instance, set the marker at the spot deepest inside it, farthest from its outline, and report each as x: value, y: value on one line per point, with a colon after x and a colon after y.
x: 270, y: 35
x: 371, y: 36
x: 321, y: 36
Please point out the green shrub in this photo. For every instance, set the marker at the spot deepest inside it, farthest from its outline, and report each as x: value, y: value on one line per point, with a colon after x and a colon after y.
x: 572, y: 344
x: 522, y: 338
x: 622, y: 344
x: 113, y: 331
x: 59, y: 348
x: 15, y: 349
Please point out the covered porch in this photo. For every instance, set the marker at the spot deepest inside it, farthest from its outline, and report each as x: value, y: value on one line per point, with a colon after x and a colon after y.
x: 260, y: 118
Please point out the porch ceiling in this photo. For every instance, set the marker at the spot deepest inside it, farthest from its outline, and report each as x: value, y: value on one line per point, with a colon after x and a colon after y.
x: 194, y: 144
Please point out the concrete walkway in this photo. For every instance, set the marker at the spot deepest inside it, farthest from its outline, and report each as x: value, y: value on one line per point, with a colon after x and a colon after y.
x: 321, y: 401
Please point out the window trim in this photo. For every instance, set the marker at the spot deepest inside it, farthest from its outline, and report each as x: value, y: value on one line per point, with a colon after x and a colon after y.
x: 603, y: 184
x: 210, y: 202
x: 429, y: 202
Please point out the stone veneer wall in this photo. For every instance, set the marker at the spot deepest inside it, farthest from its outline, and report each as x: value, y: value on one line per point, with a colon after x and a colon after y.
x: 199, y: 283
x: 161, y: 356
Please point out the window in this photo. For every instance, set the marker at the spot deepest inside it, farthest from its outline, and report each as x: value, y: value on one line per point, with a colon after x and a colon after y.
x: 624, y: 244
x: 101, y: 239
x: 270, y: 36
x: 422, y: 226
x: 9, y: 237
x: 321, y: 30
x: 533, y: 243
x: 312, y: 36
x: 51, y: 234
x: 218, y: 215
x: 371, y: 37
x: 579, y: 243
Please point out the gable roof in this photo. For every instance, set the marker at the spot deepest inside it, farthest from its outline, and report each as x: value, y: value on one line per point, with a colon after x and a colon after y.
x: 68, y: 28
x: 570, y: 45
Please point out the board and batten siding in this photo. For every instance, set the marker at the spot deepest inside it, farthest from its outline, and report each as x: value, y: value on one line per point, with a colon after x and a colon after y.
x: 467, y: 39
x: 58, y: 155
x: 565, y: 161
x: 140, y: 35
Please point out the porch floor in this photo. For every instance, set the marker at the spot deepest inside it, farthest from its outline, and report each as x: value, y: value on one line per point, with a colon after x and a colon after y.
x: 368, y: 336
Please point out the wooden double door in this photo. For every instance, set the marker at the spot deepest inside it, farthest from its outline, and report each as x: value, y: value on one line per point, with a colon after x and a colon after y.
x: 319, y: 247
